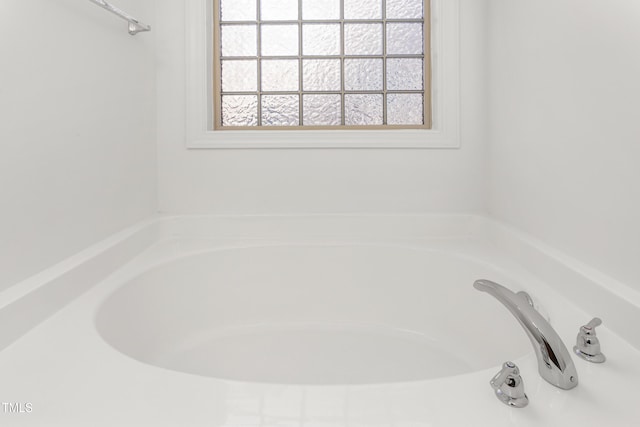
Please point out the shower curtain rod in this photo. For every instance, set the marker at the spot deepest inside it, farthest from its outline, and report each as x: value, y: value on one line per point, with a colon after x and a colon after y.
x: 135, y: 26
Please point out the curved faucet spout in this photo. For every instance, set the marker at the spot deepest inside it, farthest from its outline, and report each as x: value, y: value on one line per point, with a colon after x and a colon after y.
x: 554, y: 360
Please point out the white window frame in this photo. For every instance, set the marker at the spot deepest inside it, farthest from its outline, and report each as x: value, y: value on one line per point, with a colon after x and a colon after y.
x: 445, y: 87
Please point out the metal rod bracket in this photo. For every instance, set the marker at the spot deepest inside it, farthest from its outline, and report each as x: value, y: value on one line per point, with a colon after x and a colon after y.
x: 135, y: 26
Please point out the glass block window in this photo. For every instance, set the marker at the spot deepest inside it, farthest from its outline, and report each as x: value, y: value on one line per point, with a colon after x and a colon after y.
x: 291, y: 64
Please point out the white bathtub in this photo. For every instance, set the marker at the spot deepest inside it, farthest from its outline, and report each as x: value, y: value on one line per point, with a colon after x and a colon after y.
x: 311, y: 314
x: 315, y: 321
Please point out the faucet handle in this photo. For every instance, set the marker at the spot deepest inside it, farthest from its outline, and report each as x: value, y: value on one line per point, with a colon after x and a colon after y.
x: 587, y: 344
x: 596, y: 321
x: 509, y: 387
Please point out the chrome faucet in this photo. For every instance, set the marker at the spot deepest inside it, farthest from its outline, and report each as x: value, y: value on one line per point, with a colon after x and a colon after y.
x: 554, y: 360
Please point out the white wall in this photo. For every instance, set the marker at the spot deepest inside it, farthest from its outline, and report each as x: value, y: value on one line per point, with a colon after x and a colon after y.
x: 316, y: 180
x: 78, y: 121
x: 77, y: 129
x: 565, y: 126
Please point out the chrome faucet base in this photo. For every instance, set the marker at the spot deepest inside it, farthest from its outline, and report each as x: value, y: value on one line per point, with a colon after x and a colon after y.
x: 515, y: 402
x: 595, y: 358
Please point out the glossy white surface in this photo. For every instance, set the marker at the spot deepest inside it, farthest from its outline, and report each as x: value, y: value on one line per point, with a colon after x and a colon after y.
x: 73, y: 377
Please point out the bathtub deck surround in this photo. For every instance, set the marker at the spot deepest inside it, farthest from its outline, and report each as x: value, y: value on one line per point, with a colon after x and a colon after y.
x: 355, y: 286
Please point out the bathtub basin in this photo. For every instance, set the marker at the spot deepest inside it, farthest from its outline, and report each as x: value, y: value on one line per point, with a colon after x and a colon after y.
x: 312, y: 314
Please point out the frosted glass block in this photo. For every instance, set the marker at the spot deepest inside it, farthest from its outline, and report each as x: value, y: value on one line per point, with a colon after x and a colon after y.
x: 239, y: 76
x: 280, y: 110
x: 363, y: 39
x: 279, y: 10
x: 238, y: 40
x: 404, y: 74
x: 362, y: 9
x: 363, y: 74
x: 321, y: 39
x: 238, y: 10
x: 405, y: 109
x: 280, y: 75
x: 279, y: 40
x: 325, y: 9
x: 321, y: 110
x: 239, y: 110
x: 403, y: 9
x: 321, y: 74
x: 404, y: 38
x: 363, y: 109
